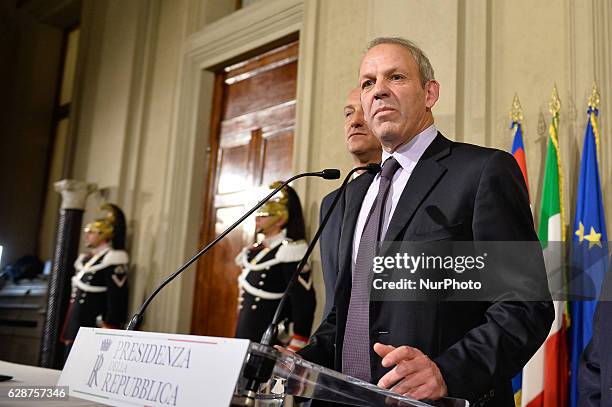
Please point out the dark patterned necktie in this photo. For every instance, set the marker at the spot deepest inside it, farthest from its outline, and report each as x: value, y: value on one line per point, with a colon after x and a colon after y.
x: 356, y: 346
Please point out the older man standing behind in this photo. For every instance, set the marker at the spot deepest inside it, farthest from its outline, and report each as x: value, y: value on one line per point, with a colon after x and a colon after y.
x: 364, y: 149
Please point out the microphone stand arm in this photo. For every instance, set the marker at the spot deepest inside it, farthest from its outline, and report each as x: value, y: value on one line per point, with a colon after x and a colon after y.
x: 136, y: 320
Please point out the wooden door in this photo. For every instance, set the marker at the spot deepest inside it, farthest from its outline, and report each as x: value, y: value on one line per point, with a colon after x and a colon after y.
x: 253, y: 123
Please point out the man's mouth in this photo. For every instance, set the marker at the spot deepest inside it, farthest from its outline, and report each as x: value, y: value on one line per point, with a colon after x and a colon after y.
x: 382, y: 109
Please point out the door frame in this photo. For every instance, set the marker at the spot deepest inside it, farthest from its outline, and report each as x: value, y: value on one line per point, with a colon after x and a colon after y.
x: 230, y: 37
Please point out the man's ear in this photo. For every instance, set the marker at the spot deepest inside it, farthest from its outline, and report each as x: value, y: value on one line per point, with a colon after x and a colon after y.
x: 432, y: 89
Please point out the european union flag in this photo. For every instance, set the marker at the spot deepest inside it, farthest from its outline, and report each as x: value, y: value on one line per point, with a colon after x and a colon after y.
x: 589, y: 251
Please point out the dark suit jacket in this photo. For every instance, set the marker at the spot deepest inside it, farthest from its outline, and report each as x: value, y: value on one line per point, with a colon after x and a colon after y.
x: 329, y: 243
x: 456, y: 192
x: 595, y: 374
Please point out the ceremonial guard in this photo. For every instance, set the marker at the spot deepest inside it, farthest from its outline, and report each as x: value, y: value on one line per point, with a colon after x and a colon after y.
x: 267, y: 267
x: 99, y: 287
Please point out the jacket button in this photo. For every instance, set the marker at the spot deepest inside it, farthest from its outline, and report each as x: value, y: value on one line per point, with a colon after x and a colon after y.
x: 257, y: 299
x: 263, y: 275
x: 261, y: 283
x: 253, y: 306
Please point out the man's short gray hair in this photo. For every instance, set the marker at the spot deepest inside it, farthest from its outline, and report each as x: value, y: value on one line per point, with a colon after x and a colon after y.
x: 425, y: 69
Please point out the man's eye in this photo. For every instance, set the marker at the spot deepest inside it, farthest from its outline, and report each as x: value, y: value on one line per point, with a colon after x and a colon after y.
x: 397, y: 77
x: 366, y: 84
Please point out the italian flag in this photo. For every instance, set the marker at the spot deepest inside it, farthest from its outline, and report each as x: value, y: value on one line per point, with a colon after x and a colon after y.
x: 546, y: 375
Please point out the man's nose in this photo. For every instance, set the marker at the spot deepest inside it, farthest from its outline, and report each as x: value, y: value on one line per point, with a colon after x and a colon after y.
x: 380, y: 89
x: 356, y: 121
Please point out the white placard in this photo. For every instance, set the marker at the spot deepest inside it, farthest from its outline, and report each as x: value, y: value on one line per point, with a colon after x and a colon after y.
x: 128, y: 368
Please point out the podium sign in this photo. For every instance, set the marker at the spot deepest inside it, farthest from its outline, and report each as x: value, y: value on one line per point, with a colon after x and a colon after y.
x: 129, y: 368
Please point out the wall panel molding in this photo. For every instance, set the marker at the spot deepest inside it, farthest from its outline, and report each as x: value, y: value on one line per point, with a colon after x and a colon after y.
x: 472, y: 72
x: 602, y: 34
x: 142, y: 74
x: 242, y: 31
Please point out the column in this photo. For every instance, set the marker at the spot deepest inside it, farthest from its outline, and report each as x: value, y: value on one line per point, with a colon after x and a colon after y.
x: 74, y: 195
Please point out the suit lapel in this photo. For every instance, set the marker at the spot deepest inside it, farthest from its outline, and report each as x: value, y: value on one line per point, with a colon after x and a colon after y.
x: 424, y: 177
x: 355, y: 194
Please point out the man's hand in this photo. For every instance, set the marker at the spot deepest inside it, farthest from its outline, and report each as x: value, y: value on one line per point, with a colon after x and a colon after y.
x: 414, y: 374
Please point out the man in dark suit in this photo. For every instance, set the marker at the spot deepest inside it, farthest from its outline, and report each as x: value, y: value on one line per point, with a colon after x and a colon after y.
x: 430, y: 189
x: 364, y: 149
x: 595, y: 374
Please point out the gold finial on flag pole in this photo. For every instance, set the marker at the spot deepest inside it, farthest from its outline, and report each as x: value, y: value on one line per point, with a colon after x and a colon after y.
x: 594, y: 98
x: 593, y: 106
x: 555, y: 103
x: 516, y: 111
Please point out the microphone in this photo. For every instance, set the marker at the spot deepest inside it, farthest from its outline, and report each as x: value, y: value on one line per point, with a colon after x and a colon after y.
x: 330, y: 173
x: 257, y: 369
x: 136, y: 321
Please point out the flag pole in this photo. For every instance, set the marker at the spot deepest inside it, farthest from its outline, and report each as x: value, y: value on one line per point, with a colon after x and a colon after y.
x: 554, y: 107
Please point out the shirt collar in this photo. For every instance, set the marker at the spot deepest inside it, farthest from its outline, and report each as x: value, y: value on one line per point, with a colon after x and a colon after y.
x: 407, y: 155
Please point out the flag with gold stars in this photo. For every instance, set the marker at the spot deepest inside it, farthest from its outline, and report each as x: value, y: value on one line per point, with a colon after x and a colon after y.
x: 589, y: 252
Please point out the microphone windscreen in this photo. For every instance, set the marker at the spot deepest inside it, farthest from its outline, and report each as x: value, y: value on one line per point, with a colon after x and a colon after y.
x: 374, y: 168
x: 331, y: 173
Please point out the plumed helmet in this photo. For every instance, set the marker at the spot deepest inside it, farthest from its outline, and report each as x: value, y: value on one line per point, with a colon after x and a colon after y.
x: 112, y: 227
x: 286, y: 204
x: 277, y: 205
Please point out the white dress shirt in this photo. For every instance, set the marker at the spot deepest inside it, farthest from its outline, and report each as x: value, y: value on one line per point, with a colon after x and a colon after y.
x: 407, y: 156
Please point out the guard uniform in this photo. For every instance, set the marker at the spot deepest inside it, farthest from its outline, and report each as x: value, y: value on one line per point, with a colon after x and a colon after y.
x: 99, y: 288
x: 266, y: 272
